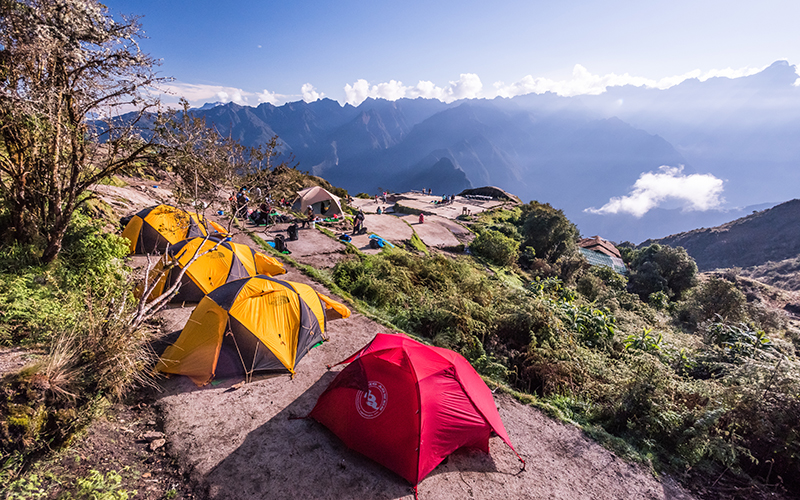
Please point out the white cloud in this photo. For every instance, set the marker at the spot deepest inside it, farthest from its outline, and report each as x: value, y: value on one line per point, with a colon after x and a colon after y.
x: 695, y: 192
x: 199, y: 94
x: 310, y: 94
x: 584, y: 82
x: 466, y: 87
x: 273, y: 98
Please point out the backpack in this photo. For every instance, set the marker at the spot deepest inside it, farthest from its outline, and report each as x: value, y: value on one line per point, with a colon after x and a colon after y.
x: 280, y: 243
x: 375, y: 243
x: 292, y: 232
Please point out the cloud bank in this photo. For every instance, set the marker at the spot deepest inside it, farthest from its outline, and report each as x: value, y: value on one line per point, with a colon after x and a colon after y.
x: 467, y: 86
x: 199, y: 94
x: 694, y: 192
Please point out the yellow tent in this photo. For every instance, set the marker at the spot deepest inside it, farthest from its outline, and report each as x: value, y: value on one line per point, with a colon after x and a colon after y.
x: 152, y: 229
x: 216, y: 266
x: 257, y: 324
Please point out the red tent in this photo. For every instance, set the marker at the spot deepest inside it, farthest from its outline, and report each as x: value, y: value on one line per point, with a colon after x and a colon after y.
x: 407, y: 405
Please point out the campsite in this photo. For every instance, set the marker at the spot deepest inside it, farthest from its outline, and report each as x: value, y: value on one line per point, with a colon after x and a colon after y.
x: 223, y: 427
x: 231, y: 439
x: 348, y: 299
x: 246, y: 433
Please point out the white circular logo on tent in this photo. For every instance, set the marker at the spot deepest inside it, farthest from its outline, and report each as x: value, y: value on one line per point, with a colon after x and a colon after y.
x: 370, y: 404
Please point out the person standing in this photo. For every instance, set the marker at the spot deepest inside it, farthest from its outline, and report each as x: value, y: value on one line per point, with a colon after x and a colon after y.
x: 421, y: 218
x: 358, y: 222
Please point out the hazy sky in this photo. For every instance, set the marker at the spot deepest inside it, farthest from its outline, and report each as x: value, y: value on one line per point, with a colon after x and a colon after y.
x: 267, y: 51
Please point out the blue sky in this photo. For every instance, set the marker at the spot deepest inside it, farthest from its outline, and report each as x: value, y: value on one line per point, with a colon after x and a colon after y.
x: 265, y: 51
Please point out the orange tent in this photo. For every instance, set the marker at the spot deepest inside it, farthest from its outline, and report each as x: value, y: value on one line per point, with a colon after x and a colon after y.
x: 152, y: 229
x: 258, y: 324
x: 220, y: 262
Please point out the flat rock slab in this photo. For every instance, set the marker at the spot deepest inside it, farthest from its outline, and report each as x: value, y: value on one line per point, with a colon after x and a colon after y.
x: 312, y: 246
x: 388, y: 227
x: 430, y: 205
x: 434, y: 232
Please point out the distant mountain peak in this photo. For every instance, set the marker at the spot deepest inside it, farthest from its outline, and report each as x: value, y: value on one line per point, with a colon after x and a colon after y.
x: 210, y: 105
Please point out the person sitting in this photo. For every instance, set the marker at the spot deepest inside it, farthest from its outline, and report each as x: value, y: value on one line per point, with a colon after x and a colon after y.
x: 380, y: 211
x: 261, y: 216
x: 309, y: 216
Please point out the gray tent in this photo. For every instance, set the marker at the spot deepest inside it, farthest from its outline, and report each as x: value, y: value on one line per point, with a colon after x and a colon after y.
x: 323, y: 202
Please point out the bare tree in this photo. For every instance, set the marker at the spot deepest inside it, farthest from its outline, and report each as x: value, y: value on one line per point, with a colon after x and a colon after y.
x: 210, y: 167
x: 67, y: 69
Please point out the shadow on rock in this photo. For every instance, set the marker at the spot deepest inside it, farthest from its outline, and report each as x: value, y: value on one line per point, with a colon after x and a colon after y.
x: 295, y: 457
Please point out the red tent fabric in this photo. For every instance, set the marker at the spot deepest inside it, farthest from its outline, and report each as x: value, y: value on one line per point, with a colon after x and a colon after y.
x: 407, y: 405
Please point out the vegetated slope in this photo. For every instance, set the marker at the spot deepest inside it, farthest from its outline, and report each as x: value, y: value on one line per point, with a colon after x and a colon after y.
x: 771, y: 235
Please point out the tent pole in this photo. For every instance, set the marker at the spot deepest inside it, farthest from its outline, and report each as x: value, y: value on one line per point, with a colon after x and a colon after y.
x: 244, y: 367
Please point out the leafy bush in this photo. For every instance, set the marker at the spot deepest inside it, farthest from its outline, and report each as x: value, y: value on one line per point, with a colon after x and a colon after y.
x: 659, y: 268
x: 548, y: 231
x: 34, y: 306
x: 90, y: 257
x: 645, y: 342
x: 612, y: 279
x: 737, y: 339
x: 495, y: 247
x: 37, y: 301
x: 590, y: 286
x: 658, y: 300
x: 595, y: 327
x: 713, y: 298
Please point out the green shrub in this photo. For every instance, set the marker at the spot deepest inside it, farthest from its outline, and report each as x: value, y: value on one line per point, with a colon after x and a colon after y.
x: 713, y: 298
x: 36, y: 301
x: 645, y: 342
x: 612, y: 279
x: 658, y: 268
x: 658, y: 300
x: 548, y: 231
x: 34, y: 306
x: 737, y: 339
x: 594, y: 327
x: 91, y: 257
x: 590, y: 286
x: 495, y: 247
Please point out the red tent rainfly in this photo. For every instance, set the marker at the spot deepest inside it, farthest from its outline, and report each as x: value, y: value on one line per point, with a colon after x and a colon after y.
x: 407, y: 406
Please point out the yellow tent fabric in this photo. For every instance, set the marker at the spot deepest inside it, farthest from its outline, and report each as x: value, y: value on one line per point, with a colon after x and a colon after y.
x: 220, y: 262
x: 152, y: 229
x: 249, y: 325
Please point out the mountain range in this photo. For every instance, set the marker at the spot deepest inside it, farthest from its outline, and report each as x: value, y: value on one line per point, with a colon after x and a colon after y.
x: 771, y: 235
x: 572, y: 152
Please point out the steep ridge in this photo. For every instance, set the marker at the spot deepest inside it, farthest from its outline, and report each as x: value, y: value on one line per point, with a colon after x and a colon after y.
x: 769, y: 235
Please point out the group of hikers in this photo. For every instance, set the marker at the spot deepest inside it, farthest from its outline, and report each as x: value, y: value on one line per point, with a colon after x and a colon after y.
x: 266, y: 213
